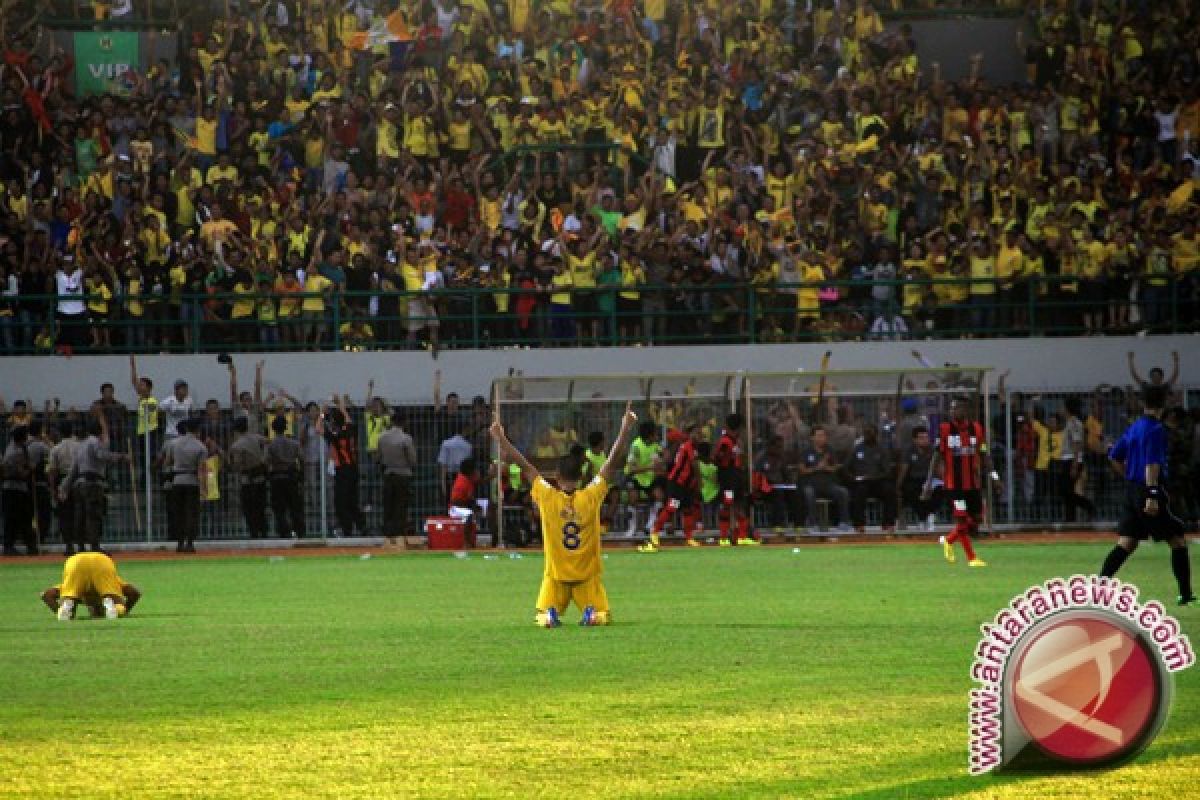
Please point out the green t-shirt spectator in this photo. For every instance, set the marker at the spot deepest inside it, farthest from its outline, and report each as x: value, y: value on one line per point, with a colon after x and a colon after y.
x: 709, y: 488
x: 606, y: 301
x: 609, y: 219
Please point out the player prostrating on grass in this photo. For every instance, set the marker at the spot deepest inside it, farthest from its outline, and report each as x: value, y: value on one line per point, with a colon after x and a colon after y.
x: 731, y: 476
x: 683, y: 492
x: 91, y: 579
x: 960, y: 461
x: 1141, y: 455
x: 570, y: 518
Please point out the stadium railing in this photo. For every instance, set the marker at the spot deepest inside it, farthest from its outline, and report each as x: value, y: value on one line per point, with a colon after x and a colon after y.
x: 731, y: 313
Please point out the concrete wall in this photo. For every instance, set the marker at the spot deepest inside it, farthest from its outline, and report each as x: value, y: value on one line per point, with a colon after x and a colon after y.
x: 1036, y: 364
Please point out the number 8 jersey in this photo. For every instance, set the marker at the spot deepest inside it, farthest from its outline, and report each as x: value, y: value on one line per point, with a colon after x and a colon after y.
x: 571, y: 529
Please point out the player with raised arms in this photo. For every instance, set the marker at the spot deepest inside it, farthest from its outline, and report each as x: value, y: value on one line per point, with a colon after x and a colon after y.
x: 570, y: 518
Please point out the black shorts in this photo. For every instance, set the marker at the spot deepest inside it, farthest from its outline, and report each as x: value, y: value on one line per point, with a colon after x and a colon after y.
x: 732, y: 479
x: 972, y: 497
x: 685, y: 496
x: 645, y: 492
x: 1136, y: 524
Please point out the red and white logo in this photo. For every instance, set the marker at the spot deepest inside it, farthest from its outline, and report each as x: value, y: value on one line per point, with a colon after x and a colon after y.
x: 1085, y: 689
x: 1074, y: 673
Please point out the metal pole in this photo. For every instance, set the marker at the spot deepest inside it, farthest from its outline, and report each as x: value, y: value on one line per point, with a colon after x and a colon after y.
x: 324, y: 509
x: 1008, y: 454
x: 989, y: 513
x: 145, y: 470
x: 501, y: 472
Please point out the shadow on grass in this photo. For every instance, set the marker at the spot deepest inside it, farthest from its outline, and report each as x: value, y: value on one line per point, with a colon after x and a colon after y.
x: 952, y: 786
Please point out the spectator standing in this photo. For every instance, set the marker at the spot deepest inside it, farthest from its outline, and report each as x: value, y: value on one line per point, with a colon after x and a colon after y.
x: 451, y: 453
x: 343, y: 456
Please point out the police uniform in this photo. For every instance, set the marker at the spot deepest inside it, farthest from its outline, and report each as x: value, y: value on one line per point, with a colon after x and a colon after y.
x: 39, y: 457
x: 248, y: 458
x: 86, y: 482
x: 18, y: 502
x: 183, y: 457
x: 284, y: 458
x: 397, y: 456
x: 62, y: 455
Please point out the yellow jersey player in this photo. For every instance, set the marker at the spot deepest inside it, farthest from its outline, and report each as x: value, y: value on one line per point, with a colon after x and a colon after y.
x: 91, y: 579
x: 571, y: 531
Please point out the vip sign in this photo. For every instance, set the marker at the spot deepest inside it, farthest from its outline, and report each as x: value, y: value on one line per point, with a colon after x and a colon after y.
x: 104, y: 61
x: 1074, y: 673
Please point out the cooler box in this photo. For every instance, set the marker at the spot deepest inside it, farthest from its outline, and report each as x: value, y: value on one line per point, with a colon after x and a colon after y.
x: 445, y: 533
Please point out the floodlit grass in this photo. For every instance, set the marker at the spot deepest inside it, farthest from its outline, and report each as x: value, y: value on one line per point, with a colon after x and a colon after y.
x: 833, y: 672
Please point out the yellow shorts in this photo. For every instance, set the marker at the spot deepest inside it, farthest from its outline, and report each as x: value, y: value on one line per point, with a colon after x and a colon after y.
x: 90, y: 577
x: 560, y: 594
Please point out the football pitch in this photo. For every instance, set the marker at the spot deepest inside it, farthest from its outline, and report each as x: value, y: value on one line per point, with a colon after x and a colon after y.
x: 836, y: 671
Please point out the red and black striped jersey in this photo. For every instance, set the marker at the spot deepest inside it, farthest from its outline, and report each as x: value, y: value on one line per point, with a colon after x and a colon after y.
x: 343, y: 448
x: 683, y: 469
x: 961, y: 446
x: 729, y: 451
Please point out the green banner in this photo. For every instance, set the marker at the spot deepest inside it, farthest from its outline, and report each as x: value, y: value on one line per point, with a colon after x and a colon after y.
x: 105, y: 62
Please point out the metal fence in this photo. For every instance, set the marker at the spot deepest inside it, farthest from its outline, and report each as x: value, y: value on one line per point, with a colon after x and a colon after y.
x: 546, y: 417
x: 472, y: 317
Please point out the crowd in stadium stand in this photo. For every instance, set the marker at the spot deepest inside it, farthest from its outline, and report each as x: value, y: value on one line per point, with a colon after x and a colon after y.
x: 319, y: 173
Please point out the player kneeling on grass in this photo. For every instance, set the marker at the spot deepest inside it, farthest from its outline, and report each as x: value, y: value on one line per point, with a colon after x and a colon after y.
x: 91, y: 579
x: 570, y: 528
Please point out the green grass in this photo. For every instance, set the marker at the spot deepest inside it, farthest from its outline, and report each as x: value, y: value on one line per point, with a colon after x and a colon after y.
x: 833, y: 672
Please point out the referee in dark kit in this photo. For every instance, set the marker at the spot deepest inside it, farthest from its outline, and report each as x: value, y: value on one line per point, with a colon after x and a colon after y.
x: 1141, y: 454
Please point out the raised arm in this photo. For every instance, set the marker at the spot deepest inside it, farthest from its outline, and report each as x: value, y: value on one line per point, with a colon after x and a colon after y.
x: 1133, y: 373
x: 510, y: 454
x: 616, y: 456
x: 1174, y: 369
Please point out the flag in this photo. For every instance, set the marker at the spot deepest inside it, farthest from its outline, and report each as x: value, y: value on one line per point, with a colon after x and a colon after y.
x: 382, y: 31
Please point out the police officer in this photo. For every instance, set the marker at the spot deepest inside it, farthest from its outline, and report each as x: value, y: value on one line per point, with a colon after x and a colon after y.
x: 248, y: 458
x: 85, y: 484
x: 18, y: 500
x: 183, y: 460
x: 62, y: 456
x: 1141, y: 454
x: 39, y: 457
x: 397, y: 456
x: 285, y: 467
